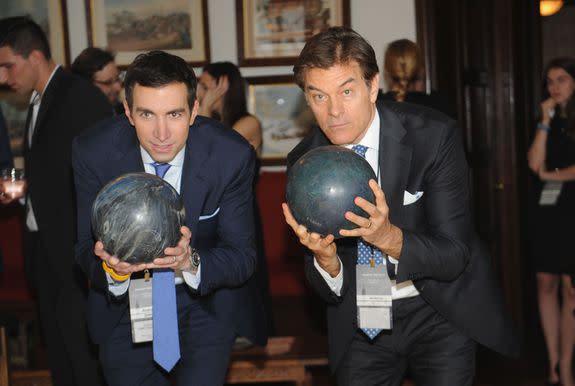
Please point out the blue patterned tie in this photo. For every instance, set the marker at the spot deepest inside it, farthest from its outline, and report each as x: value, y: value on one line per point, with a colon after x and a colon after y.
x: 366, y: 252
x: 164, y: 310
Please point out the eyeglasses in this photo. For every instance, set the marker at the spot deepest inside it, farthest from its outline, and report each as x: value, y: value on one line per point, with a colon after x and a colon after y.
x: 109, y: 82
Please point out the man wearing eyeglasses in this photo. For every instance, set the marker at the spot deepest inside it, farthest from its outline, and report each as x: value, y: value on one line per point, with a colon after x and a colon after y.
x: 98, y: 66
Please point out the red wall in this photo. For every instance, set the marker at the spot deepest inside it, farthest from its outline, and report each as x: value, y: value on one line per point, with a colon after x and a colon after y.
x: 283, y: 251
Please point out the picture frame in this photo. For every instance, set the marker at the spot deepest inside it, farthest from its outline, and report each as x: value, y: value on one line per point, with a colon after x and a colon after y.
x: 285, y: 117
x: 51, y: 15
x: 273, y: 32
x: 130, y: 27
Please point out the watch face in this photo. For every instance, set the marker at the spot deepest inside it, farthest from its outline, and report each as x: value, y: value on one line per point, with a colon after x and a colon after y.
x: 195, y: 258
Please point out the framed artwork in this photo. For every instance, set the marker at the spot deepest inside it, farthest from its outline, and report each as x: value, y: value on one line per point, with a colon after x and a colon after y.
x: 50, y: 15
x: 130, y: 27
x: 281, y: 107
x: 273, y: 32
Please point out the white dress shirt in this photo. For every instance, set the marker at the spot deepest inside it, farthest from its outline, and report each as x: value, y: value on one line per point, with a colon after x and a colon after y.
x: 370, y: 140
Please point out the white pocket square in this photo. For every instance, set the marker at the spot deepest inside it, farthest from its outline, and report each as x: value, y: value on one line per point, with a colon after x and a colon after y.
x: 209, y: 215
x: 409, y: 198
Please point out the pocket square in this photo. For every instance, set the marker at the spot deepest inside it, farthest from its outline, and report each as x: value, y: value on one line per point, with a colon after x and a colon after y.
x: 208, y: 216
x: 409, y: 198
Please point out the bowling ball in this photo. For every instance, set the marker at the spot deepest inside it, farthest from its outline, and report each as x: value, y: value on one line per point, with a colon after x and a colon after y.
x: 137, y: 216
x: 322, y: 186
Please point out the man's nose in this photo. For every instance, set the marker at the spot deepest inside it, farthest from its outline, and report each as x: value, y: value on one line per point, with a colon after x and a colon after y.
x: 162, y: 132
x: 335, y: 107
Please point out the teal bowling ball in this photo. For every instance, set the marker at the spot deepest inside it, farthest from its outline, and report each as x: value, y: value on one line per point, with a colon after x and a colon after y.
x: 137, y: 216
x: 322, y: 185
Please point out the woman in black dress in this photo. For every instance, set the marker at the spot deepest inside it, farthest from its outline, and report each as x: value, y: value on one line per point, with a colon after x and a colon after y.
x: 552, y: 158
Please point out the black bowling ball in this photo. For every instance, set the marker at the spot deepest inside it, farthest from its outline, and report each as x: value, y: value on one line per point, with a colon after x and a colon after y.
x: 322, y: 186
x: 137, y: 216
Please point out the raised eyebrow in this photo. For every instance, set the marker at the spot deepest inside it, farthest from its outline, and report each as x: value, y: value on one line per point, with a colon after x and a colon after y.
x: 143, y: 110
x: 344, y: 83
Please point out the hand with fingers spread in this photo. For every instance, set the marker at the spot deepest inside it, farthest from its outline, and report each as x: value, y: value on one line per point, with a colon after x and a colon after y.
x: 377, y: 229
x: 176, y: 257
x: 209, y: 102
x: 119, y: 267
x: 323, y: 248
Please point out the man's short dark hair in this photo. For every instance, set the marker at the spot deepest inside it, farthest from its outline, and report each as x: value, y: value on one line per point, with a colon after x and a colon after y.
x: 90, y: 61
x: 157, y: 69
x: 23, y: 36
x: 336, y: 45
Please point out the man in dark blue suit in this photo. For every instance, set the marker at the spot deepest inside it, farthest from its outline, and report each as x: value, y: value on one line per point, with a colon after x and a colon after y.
x: 212, y: 168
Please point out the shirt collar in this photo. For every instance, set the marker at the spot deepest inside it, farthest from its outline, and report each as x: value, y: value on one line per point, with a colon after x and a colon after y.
x: 177, y: 161
x: 371, y: 137
x: 36, y: 97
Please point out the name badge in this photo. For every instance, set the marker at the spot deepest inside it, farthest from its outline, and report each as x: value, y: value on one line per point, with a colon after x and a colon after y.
x: 373, y: 297
x: 140, y: 293
x: 550, y: 193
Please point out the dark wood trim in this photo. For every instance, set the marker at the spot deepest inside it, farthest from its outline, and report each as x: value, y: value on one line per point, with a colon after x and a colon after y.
x: 65, y: 30
x: 426, y: 40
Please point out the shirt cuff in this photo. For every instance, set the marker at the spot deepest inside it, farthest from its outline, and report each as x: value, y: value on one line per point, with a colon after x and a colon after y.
x: 117, y: 288
x: 193, y: 279
x: 334, y: 283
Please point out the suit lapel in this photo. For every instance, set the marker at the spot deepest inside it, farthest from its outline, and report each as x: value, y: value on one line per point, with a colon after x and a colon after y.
x: 195, y: 179
x: 126, y: 157
x: 394, y: 160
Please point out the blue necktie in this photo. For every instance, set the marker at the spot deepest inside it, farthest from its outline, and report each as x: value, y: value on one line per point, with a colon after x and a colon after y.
x: 165, y: 314
x: 366, y: 252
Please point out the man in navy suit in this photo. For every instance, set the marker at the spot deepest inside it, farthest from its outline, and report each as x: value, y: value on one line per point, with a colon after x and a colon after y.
x: 212, y: 168
x: 417, y: 235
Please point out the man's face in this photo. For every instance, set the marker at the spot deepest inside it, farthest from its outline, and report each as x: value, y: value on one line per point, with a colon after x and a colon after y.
x: 162, y: 119
x: 342, y: 102
x: 17, y: 72
x: 108, y: 81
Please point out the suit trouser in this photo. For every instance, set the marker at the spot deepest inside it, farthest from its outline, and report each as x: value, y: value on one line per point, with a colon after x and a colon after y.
x: 421, y: 342
x: 61, y: 307
x: 205, y: 348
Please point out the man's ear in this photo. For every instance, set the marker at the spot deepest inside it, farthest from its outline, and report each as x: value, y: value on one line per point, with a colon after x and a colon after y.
x: 374, y: 88
x: 36, y: 57
x: 127, y: 112
x: 194, y: 113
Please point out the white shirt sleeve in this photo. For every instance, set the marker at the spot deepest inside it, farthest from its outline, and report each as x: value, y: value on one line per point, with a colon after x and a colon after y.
x: 117, y: 288
x: 191, y: 279
x: 334, y: 283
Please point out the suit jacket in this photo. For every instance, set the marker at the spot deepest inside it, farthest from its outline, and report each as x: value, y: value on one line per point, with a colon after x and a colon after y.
x: 421, y: 151
x: 69, y: 105
x: 216, y: 188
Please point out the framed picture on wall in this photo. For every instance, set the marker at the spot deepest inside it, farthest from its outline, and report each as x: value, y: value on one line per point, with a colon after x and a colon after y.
x: 50, y: 15
x: 273, y: 32
x: 130, y: 27
x: 280, y: 106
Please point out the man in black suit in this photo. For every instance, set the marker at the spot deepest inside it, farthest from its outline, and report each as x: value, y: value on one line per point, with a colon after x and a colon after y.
x: 212, y: 168
x: 61, y: 106
x: 443, y: 298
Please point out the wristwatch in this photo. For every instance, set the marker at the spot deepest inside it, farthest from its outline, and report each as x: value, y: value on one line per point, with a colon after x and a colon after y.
x: 194, y: 259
